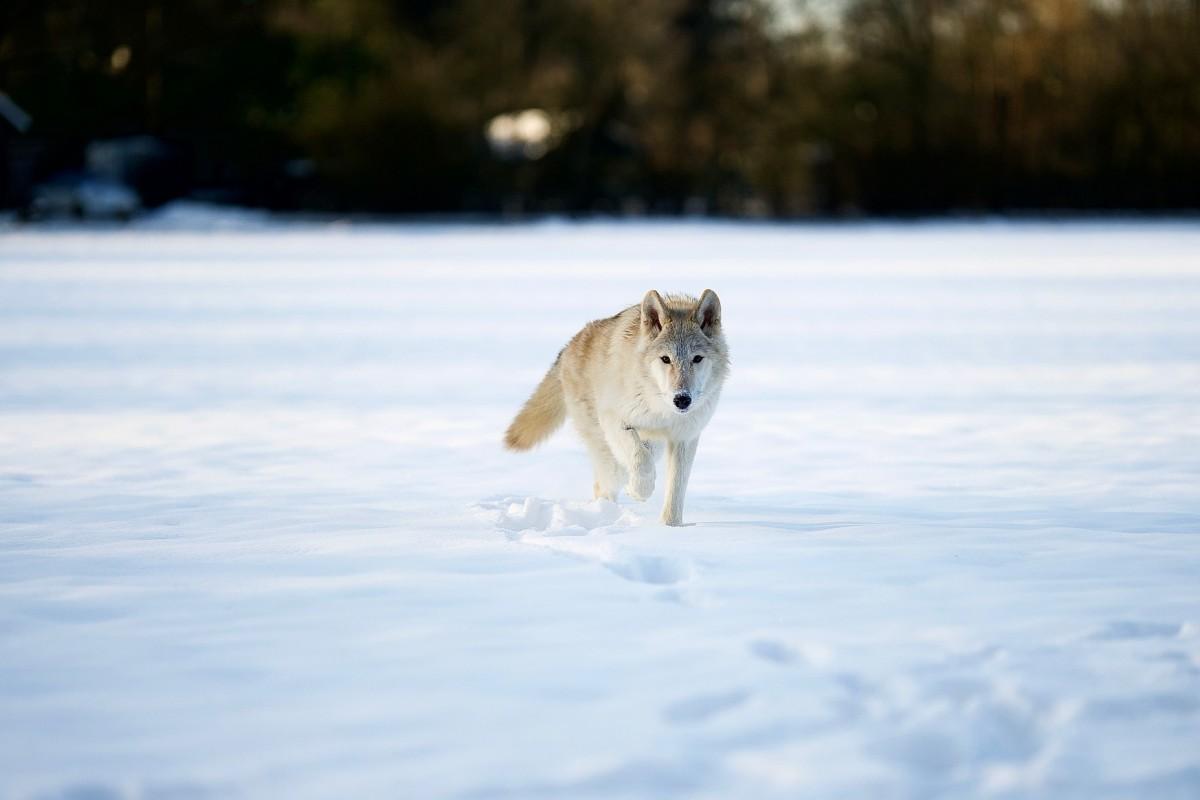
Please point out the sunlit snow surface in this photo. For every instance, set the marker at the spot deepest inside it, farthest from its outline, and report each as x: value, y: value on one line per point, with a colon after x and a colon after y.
x: 258, y: 538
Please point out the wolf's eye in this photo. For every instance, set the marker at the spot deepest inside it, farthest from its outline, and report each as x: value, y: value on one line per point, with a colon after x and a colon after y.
x: 697, y: 359
x: 666, y: 359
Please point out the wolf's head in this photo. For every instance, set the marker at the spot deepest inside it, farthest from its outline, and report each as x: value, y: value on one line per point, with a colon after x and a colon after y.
x: 683, y: 347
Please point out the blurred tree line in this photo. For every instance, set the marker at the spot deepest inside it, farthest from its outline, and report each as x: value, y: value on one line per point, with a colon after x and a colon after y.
x: 758, y: 107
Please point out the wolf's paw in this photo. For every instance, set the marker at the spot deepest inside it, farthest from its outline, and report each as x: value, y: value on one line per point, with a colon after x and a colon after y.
x: 601, y: 492
x: 641, y: 482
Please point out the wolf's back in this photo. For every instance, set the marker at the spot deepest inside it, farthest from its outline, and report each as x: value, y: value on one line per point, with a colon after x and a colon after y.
x: 543, y: 413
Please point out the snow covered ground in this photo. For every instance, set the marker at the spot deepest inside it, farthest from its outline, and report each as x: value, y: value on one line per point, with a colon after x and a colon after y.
x: 258, y: 538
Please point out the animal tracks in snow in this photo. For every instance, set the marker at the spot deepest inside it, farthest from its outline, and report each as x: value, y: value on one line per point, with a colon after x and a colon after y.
x: 1119, y: 630
x: 700, y: 707
x: 585, y: 531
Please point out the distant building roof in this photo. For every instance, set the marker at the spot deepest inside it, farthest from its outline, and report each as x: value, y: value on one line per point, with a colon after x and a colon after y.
x: 14, y: 114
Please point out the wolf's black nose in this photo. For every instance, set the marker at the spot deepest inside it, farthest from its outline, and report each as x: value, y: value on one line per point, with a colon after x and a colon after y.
x: 682, y: 401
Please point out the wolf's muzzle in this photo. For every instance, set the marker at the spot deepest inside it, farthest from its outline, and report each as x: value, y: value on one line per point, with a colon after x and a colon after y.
x: 682, y: 401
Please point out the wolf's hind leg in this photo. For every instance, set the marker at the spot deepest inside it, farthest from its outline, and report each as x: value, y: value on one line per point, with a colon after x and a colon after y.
x: 607, y: 473
x: 608, y: 477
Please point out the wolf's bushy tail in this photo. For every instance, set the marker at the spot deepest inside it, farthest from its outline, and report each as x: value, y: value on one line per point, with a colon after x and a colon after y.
x: 543, y: 413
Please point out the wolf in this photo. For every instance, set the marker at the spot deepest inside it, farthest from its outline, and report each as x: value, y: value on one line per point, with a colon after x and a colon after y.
x: 641, y: 381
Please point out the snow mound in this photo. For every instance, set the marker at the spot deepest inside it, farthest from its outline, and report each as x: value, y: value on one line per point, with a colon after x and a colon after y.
x: 187, y: 215
x: 584, y: 531
x: 535, y: 515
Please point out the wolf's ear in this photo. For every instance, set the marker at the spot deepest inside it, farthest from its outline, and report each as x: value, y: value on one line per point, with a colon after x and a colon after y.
x: 708, y: 312
x: 654, y: 313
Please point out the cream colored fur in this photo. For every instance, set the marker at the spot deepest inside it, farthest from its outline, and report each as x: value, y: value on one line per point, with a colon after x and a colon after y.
x: 624, y: 400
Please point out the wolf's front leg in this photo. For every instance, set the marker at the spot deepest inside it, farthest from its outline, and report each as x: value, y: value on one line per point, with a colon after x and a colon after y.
x: 633, y: 454
x: 679, y: 466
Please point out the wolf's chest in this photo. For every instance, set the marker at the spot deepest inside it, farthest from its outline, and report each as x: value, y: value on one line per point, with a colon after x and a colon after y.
x: 672, y: 427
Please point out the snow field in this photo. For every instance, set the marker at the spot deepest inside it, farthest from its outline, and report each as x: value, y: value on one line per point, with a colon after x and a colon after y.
x: 258, y: 537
